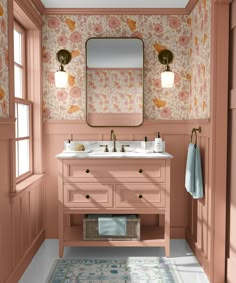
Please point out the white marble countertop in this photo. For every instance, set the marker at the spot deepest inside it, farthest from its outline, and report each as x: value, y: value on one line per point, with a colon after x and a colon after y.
x: 109, y: 155
x: 93, y: 149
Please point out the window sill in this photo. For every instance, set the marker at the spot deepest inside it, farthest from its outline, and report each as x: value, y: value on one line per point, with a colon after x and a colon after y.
x: 25, y: 184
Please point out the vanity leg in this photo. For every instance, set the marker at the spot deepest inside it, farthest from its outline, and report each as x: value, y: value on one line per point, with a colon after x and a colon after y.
x: 61, y: 249
x: 167, y: 249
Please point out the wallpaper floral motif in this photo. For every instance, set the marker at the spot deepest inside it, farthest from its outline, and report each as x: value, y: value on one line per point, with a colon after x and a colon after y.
x: 199, y: 104
x: 177, y: 33
x: 4, y: 93
x: 114, y: 90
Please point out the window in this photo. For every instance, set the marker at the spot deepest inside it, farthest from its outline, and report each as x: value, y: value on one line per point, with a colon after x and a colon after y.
x: 23, y: 107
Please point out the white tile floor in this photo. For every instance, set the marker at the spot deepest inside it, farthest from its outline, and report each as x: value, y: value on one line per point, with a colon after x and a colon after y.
x: 181, y: 255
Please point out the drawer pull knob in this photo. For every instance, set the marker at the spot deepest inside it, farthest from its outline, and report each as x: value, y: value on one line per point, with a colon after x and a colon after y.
x: 140, y: 170
x: 87, y: 196
x: 140, y: 196
x: 87, y: 170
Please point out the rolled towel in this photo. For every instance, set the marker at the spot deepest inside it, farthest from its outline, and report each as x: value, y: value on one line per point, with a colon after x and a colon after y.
x: 112, y: 226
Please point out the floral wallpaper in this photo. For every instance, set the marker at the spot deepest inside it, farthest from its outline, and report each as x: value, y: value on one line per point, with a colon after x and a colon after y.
x: 114, y: 90
x: 199, y: 103
x: 187, y: 36
x: 4, y: 93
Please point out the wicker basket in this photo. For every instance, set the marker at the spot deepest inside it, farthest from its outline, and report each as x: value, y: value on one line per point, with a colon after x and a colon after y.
x: 90, y: 229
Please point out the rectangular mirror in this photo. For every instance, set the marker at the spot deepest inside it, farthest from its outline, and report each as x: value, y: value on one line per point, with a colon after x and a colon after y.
x: 114, y: 81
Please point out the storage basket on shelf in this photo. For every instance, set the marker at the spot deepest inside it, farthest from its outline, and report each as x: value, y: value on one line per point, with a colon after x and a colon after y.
x: 91, y: 228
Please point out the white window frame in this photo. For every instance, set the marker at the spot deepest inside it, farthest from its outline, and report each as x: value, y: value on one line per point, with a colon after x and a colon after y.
x: 23, y: 101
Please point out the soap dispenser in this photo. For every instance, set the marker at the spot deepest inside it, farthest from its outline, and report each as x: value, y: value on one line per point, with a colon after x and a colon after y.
x: 158, y: 143
x: 68, y: 145
x: 144, y: 143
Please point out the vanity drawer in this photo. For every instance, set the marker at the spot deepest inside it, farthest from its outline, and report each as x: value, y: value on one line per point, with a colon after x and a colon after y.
x: 88, y: 195
x: 146, y: 195
x: 126, y: 168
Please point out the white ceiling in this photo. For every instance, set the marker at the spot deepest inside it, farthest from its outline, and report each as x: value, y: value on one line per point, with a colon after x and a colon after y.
x: 114, y: 3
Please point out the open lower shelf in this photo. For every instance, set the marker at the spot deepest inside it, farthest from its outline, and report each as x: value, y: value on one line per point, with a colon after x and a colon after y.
x: 150, y: 236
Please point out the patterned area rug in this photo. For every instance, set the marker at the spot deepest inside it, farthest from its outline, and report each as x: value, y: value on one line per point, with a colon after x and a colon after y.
x: 128, y: 270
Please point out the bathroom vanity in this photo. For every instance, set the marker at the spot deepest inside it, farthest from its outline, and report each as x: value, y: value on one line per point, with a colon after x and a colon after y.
x: 114, y: 183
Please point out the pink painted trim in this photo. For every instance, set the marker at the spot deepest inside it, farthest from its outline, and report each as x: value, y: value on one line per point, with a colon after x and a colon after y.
x: 111, y: 11
x: 25, y: 261
x: 218, y: 147
x: 24, y: 7
x: 190, y: 6
x: 233, y: 13
x: 231, y: 263
x: 39, y: 5
x: 7, y: 129
x: 223, y: 2
x: 232, y: 100
x: 11, y: 59
x: 67, y: 127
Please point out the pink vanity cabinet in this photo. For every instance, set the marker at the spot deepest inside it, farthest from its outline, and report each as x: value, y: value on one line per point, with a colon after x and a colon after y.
x: 114, y: 186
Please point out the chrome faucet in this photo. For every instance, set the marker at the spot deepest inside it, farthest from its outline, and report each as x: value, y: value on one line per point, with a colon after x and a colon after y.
x: 113, y: 138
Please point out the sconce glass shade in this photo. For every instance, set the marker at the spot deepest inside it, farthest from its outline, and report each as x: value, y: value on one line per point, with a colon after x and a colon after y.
x: 167, y: 79
x: 61, y: 79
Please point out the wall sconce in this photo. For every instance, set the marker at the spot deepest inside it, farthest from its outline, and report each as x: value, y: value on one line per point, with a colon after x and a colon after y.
x: 61, y: 76
x: 167, y: 77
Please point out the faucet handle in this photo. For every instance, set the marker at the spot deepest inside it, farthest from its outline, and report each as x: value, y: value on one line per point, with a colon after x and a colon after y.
x: 106, y: 147
x: 123, y: 147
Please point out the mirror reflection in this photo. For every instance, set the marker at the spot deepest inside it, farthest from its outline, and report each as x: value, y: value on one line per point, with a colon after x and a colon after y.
x: 114, y: 81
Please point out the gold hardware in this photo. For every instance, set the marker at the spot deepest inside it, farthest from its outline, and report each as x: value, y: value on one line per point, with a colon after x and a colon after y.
x: 194, y: 131
x: 106, y: 147
x: 113, y: 138
x: 123, y: 147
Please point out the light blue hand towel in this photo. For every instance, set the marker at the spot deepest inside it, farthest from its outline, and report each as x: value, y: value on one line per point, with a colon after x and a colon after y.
x: 198, y: 189
x: 112, y: 226
x: 190, y: 165
x: 193, y: 174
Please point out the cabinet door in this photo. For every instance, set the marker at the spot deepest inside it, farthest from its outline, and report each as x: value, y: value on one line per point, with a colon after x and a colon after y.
x: 146, y: 195
x: 88, y: 195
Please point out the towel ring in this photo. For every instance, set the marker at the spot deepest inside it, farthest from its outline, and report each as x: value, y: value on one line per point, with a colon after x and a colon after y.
x: 195, y: 133
x: 194, y: 130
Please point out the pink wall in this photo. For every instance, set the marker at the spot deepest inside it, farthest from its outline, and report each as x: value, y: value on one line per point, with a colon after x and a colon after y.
x: 176, y: 134
x: 21, y: 215
x: 185, y: 35
x: 4, y: 94
x: 231, y: 229
x: 21, y: 212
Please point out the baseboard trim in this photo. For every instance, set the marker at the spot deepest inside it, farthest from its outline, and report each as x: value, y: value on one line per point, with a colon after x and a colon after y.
x: 22, y: 265
x: 200, y: 255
